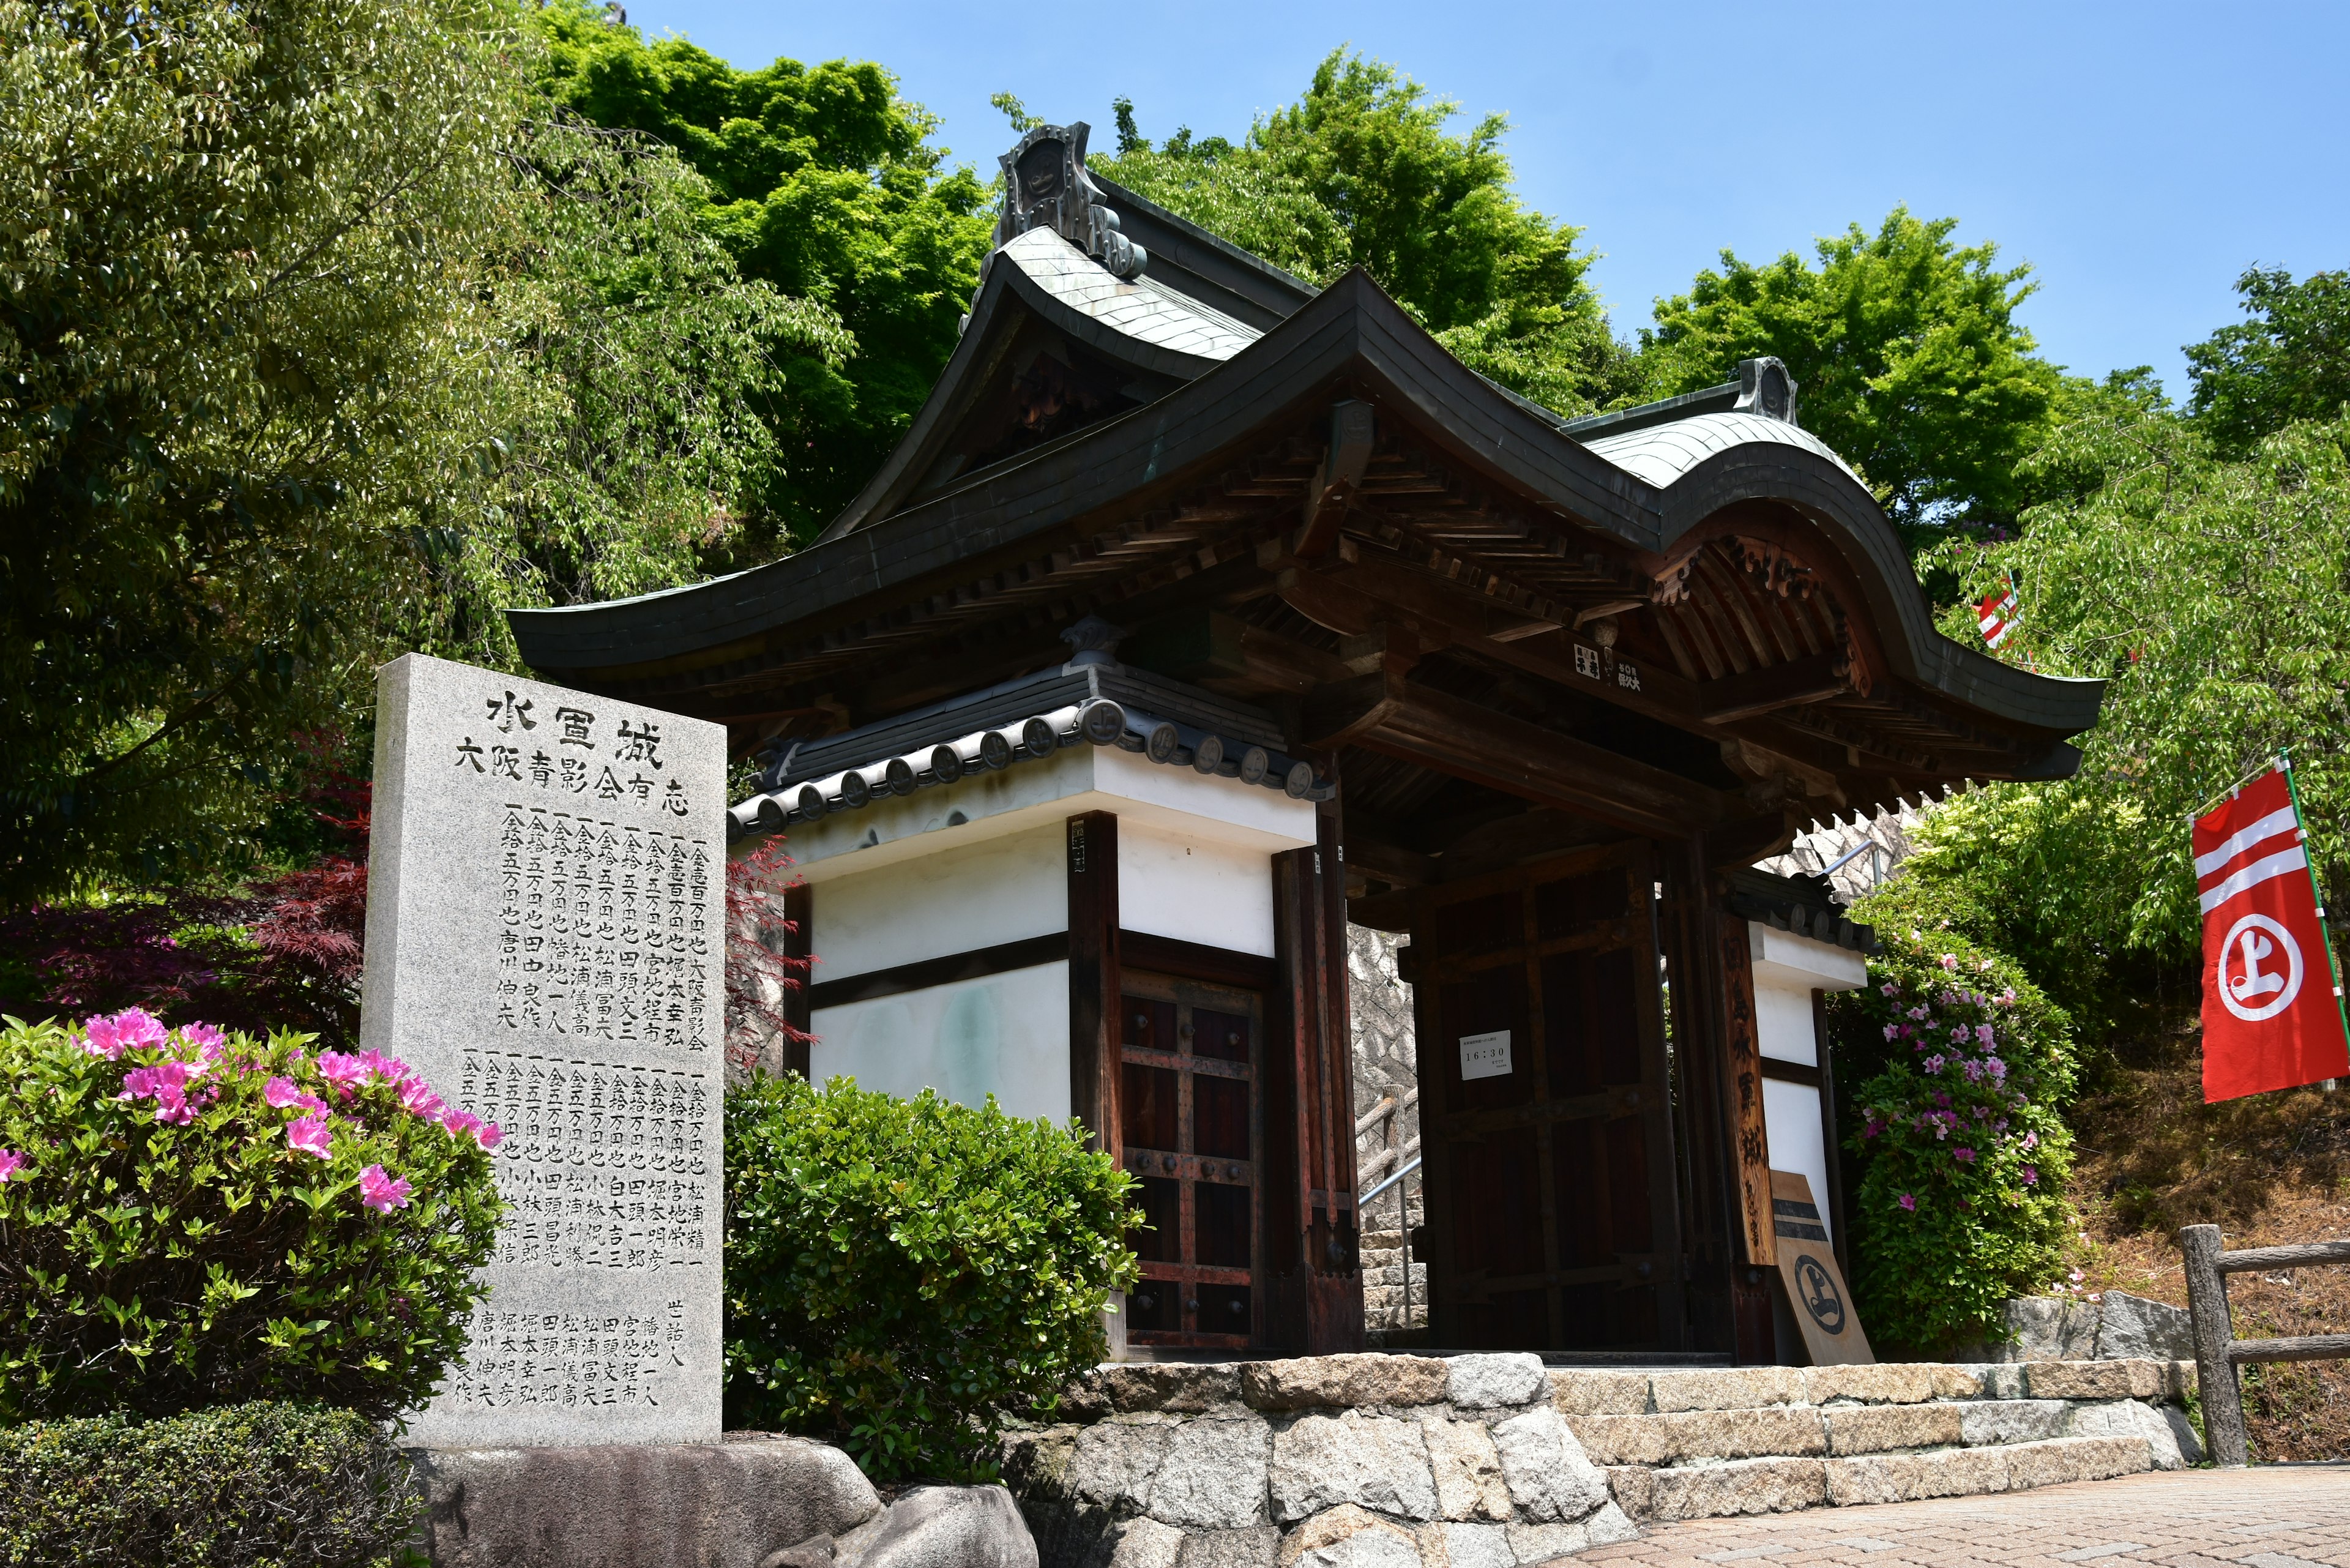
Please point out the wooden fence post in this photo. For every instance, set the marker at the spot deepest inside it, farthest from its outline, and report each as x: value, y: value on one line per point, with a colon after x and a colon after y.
x: 2215, y: 1373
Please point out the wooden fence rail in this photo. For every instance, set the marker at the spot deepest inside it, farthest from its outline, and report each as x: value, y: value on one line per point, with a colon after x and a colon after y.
x: 2218, y: 1353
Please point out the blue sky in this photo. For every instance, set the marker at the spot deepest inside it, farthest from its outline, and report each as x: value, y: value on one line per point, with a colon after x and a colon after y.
x: 2138, y: 156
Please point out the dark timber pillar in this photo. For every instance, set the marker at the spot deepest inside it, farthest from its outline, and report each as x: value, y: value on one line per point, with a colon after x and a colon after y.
x: 799, y: 942
x: 1094, y: 979
x: 1316, y: 1282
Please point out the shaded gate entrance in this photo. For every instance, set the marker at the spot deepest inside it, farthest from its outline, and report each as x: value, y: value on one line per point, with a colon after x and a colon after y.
x: 1546, y: 1108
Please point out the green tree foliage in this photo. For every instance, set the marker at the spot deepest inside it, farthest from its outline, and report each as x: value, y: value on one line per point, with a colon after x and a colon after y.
x: 824, y: 184
x: 2210, y: 591
x: 192, y: 1218
x: 1907, y: 352
x: 1362, y: 171
x: 243, y: 333
x: 2290, y: 361
x: 641, y: 364
x: 323, y: 338
x: 902, y: 1275
x: 1959, y: 1068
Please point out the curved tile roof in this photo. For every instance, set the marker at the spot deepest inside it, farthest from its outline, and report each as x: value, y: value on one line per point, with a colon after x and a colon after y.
x: 1662, y: 453
x: 1145, y: 310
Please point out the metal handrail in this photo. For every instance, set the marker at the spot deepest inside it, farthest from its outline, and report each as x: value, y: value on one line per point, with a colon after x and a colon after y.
x: 1382, y: 1187
x: 2218, y: 1353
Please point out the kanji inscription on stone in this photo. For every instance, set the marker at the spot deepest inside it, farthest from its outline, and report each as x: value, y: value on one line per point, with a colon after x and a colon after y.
x: 545, y: 911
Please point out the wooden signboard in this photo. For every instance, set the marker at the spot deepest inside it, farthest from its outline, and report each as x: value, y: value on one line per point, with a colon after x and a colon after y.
x: 1815, y: 1288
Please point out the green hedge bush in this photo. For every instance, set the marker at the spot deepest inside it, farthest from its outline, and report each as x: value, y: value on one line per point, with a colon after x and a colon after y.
x: 262, y: 1485
x: 900, y: 1274
x: 189, y: 1218
x: 1954, y: 1069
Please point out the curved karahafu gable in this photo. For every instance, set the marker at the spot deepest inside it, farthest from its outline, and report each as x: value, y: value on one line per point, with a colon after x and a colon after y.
x: 1338, y: 475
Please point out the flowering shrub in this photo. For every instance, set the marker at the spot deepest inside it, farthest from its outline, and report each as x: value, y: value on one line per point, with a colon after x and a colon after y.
x: 261, y: 1485
x: 902, y: 1274
x: 1955, y: 1067
x: 190, y: 1218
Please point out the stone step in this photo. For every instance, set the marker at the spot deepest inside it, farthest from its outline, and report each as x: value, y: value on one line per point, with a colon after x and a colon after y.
x: 1843, y: 1431
x: 1580, y: 1393
x: 1782, y: 1485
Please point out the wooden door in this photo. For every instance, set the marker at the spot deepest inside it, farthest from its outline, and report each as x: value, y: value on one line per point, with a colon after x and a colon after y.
x: 1552, y: 1203
x: 1192, y: 1124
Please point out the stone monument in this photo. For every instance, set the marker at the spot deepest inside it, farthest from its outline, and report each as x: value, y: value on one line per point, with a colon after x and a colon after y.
x: 546, y: 943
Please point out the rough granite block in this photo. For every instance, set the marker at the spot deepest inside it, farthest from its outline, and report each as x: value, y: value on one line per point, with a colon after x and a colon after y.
x: 1467, y: 1467
x: 2082, y: 1379
x: 1545, y: 1542
x: 1256, y: 1548
x: 1486, y: 1382
x: 1114, y: 1462
x: 1904, y: 1478
x: 1634, y: 1488
x: 1888, y: 1383
x: 1477, y: 1546
x: 1744, y: 1486
x: 2064, y: 1460
x: 674, y: 1505
x: 1213, y: 1474
x: 1783, y: 1429
x: 1167, y: 1386
x: 1727, y: 1388
x: 1344, y: 1381
x: 1985, y: 1421
x: 2127, y: 1419
x: 1549, y: 1477
x: 1874, y: 1429
x: 1144, y: 1543
x: 2135, y: 1327
x: 1600, y: 1393
x: 1369, y: 1541
x: 1321, y: 1462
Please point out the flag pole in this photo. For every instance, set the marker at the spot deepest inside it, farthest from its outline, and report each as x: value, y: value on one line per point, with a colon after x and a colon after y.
x: 2316, y: 893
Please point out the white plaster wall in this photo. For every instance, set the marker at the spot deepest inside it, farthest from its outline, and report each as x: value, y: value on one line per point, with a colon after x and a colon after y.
x: 1783, y: 1022
x: 1007, y: 1034
x: 1186, y: 885
x: 1790, y: 1120
x: 1029, y: 794
x: 962, y: 896
x: 1788, y: 970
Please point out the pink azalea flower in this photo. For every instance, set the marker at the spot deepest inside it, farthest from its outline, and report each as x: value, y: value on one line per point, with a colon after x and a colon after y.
x: 99, y: 1039
x: 381, y: 1192
x: 281, y: 1093
x: 1982, y: 1034
x: 1950, y: 962
x: 458, y: 1123
x: 489, y: 1135
x: 311, y: 1135
x: 417, y: 1097
x: 1963, y: 1156
x: 204, y: 1038
x: 1909, y: 1203
x: 11, y: 1162
x: 342, y: 1069
x: 2030, y: 1176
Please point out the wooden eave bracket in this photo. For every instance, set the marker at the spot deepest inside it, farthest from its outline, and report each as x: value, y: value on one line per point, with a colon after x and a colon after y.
x: 1353, y: 434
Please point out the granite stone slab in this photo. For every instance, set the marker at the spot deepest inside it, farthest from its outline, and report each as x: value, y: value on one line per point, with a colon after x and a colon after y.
x: 545, y: 943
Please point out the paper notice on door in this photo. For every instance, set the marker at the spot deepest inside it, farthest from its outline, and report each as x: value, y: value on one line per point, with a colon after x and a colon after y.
x: 1485, y: 1055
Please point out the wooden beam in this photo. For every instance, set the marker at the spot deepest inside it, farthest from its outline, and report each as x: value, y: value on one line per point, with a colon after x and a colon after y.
x: 1385, y: 714
x: 1811, y: 679
x: 1749, y: 1140
x: 1093, y: 978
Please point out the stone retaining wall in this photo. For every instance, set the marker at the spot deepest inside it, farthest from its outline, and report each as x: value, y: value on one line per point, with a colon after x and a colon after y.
x: 1491, y: 1461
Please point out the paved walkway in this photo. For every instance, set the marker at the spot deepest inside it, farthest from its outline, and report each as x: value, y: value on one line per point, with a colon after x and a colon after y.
x: 2293, y: 1516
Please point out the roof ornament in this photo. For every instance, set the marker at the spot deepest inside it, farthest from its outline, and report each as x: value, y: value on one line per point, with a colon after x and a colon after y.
x: 1093, y: 641
x: 1765, y: 388
x: 1046, y: 187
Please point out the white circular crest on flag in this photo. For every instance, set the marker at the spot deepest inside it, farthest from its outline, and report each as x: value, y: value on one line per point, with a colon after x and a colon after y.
x: 2257, y: 977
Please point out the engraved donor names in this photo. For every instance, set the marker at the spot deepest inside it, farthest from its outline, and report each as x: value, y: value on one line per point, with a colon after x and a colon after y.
x: 545, y: 943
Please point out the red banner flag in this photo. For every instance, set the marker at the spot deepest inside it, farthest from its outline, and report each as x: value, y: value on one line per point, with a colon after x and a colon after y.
x: 2271, y: 1004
